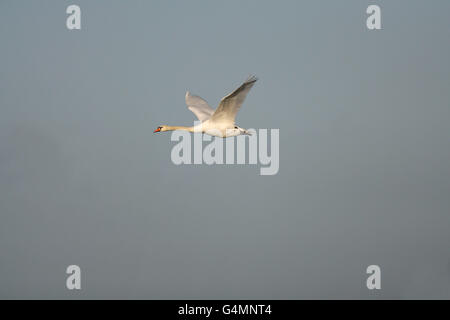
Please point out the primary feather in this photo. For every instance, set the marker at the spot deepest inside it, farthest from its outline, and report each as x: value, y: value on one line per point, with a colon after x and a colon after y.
x: 199, y: 107
x: 230, y: 105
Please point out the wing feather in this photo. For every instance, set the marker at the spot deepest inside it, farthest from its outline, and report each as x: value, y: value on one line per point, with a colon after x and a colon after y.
x: 230, y: 105
x: 198, y: 106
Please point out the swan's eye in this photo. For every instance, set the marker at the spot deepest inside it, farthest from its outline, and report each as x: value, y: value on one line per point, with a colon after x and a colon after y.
x: 235, y: 127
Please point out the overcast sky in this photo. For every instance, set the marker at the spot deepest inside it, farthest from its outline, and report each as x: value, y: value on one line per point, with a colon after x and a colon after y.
x: 364, y: 150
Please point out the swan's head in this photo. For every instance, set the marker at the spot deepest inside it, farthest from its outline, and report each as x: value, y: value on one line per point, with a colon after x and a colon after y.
x: 160, y: 129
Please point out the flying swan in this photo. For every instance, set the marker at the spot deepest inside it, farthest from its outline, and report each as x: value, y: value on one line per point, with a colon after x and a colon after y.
x: 219, y: 123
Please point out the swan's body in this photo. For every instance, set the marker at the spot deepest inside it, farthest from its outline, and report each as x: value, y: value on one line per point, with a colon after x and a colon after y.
x: 219, y: 122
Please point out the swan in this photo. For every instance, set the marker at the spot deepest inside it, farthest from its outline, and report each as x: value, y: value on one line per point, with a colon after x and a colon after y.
x: 219, y: 123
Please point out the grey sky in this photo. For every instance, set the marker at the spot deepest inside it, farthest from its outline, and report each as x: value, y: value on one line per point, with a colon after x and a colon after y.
x: 364, y: 150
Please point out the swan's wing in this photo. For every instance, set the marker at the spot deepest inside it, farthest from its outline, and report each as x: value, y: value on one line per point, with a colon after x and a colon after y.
x: 230, y: 105
x: 198, y: 106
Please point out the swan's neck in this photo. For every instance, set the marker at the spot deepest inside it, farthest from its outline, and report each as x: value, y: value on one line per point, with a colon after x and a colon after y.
x: 173, y: 128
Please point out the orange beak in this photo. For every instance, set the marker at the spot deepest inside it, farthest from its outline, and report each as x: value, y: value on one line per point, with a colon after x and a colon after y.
x: 157, y: 130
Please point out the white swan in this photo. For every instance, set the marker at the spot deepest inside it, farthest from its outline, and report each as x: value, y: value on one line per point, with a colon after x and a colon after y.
x: 220, y: 122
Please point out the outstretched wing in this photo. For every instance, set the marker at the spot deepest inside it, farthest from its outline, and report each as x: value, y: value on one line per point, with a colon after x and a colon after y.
x: 199, y: 107
x: 230, y: 105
